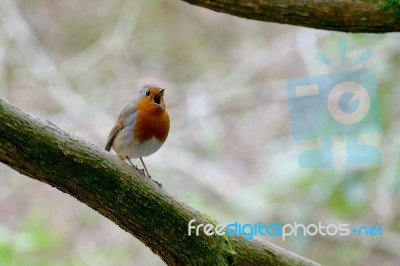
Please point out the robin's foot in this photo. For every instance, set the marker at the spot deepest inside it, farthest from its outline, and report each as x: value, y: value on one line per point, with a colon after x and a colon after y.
x: 143, y: 171
x: 130, y: 162
x: 158, y: 183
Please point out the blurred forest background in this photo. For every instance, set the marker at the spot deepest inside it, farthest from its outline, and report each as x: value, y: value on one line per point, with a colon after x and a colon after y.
x: 230, y: 152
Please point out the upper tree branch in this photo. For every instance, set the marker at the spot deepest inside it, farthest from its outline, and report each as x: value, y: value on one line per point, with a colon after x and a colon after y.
x: 42, y: 151
x: 338, y: 15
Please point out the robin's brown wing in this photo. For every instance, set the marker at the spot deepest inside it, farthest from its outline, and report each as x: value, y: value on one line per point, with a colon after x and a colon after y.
x: 114, y: 132
x: 129, y: 110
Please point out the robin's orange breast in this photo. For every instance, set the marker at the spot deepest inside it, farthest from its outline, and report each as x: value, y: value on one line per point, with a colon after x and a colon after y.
x: 152, y: 121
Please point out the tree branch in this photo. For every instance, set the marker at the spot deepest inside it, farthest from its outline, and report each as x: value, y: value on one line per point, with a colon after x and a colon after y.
x: 40, y: 150
x: 339, y: 15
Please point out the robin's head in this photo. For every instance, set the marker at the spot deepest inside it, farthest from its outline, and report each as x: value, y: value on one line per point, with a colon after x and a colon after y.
x: 152, y: 94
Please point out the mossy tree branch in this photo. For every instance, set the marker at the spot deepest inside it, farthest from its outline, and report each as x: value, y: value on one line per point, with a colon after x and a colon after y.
x: 42, y: 151
x: 338, y: 15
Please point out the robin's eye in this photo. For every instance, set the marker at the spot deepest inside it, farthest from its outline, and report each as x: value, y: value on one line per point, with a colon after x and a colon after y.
x: 147, y: 93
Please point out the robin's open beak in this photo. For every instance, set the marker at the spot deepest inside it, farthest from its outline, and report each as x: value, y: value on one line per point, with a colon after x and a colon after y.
x: 158, y: 97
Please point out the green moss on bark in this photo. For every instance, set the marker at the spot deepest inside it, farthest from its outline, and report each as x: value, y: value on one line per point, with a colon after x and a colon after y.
x: 393, y: 6
x: 224, y: 239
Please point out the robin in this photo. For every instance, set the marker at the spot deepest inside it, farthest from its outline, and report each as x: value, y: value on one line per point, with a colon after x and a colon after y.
x: 142, y: 126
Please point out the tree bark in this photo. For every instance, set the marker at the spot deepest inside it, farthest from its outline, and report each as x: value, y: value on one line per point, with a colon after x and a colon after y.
x: 42, y: 151
x: 339, y: 15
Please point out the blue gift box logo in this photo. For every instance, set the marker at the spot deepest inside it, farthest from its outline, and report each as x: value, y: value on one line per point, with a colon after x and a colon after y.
x: 335, y: 104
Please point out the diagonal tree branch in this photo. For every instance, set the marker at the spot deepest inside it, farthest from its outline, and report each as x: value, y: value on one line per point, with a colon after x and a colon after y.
x: 338, y: 15
x: 42, y: 151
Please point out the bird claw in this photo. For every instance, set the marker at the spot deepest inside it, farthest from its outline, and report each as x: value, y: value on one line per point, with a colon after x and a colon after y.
x: 149, y: 176
x: 143, y: 171
x: 158, y: 183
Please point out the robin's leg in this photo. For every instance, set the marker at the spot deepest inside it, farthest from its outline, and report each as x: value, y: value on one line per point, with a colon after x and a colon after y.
x: 130, y: 162
x: 145, y: 169
x: 147, y: 172
x: 134, y: 166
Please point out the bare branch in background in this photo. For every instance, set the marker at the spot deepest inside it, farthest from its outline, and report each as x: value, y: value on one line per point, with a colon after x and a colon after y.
x: 348, y: 16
